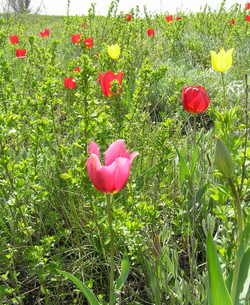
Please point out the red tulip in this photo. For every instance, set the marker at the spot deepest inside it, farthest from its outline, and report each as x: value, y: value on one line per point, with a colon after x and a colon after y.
x: 77, y: 69
x: 20, y: 53
x: 194, y: 99
x: 151, y: 32
x: 169, y: 18
x: 45, y: 33
x: 14, y: 39
x: 83, y: 25
x: 248, y: 6
x: 76, y: 38
x: 128, y: 17
x: 112, y: 177
x: 96, y: 54
x: 178, y: 18
x: 106, y: 79
x: 232, y: 22
x: 247, y: 18
x: 69, y: 83
x: 88, y: 43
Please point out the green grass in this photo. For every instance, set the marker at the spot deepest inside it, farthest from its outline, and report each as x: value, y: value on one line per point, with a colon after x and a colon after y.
x: 52, y: 216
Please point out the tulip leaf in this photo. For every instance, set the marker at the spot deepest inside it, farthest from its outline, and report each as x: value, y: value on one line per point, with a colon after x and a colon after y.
x: 125, y: 271
x: 217, y: 291
x: 243, y: 283
x: 83, y: 288
x: 123, y: 276
x: 183, y: 172
x: 194, y: 157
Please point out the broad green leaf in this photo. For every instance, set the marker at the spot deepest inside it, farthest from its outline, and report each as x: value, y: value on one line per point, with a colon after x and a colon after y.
x: 198, y: 196
x: 183, y: 172
x: 243, y: 283
x: 217, y: 291
x: 125, y: 271
x: 123, y: 276
x: 194, y: 157
x: 83, y: 288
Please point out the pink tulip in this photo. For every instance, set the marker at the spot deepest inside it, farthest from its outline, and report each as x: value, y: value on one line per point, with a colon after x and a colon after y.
x: 112, y: 177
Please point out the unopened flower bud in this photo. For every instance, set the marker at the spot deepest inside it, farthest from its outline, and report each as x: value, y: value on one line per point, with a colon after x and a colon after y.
x: 223, y: 159
x: 157, y: 247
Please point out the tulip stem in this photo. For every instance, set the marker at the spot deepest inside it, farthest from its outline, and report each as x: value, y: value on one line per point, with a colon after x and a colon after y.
x: 194, y: 130
x: 240, y: 225
x: 111, y: 290
x: 224, y: 90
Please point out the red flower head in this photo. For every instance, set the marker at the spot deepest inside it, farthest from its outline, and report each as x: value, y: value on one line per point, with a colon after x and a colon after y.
x: 113, y: 176
x: 77, y: 69
x: 248, y: 6
x: 106, y: 79
x: 247, y: 18
x: 128, y: 17
x: 20, y: 53
x: 88, y: 43
x: 96, y: 54
x: 151, y: 32
x: 178, y: 18
x: 14, y: 39
x: 194, y: 99
x: 69, y: 83
x: 83, y: 25
x: 45, y: 33
x: 76, y: 38
x: 169, y: 18
x: 232, y: 22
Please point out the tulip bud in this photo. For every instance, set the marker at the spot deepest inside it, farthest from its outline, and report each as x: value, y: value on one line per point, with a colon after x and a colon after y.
x: 157, y: 247
x: 223, y: 159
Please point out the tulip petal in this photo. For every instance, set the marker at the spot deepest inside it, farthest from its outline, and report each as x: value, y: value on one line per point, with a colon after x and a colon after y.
x: 122, y: 171
x: 116, y: 150
x: 94, y: 149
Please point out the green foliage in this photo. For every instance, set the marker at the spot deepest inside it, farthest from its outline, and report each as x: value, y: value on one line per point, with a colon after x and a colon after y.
x: 52, y: 217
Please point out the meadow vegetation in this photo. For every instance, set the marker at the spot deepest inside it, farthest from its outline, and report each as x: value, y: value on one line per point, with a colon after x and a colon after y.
x: 53, y: 218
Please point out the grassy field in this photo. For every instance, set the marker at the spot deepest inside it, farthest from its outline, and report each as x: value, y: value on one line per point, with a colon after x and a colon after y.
x: 174, y: 233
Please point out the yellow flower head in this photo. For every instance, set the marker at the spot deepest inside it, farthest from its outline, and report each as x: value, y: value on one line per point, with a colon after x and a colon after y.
x: 222, y: 61
x: 114, y: 51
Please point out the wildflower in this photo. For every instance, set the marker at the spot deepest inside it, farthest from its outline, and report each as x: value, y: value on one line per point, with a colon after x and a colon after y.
x: 114, y: 51
x: 20, y: 53
x: 178, y: 18
x: 77, y: 69
x: 113, y: 176
x: 128, y: 17
x: 151, y: 32
x: 76, y: 38
x: 194, y: 99
x: 96, y: 54
x: 222, y: 61
x: 169, y: 18
x: 45, y: 33
x: 248, y: 6
x: 106, y: 79
x: 231, y: 22
x: 69, y: 83
x: 247, y: 18
x: 14, y: 39
x: 88, y: 43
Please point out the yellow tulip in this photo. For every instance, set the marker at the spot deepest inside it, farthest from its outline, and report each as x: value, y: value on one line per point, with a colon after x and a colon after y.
x: 222, y: 61
x: 114, y: 51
